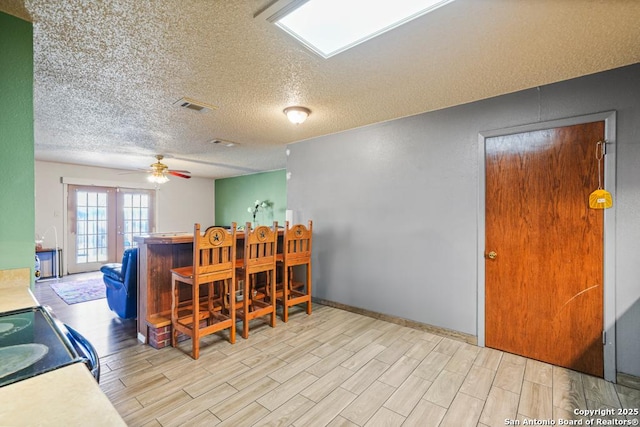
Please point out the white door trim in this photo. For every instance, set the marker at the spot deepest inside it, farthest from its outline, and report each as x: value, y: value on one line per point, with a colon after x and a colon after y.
x: 609, y: 314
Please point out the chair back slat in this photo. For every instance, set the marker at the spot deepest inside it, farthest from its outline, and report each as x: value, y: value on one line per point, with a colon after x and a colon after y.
x: 260, y: 247
x: 213, y: 251
x: 297, y: 242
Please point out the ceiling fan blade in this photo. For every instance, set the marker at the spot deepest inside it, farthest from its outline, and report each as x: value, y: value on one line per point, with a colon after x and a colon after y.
x: 136, y: 171
x: 179, y: 174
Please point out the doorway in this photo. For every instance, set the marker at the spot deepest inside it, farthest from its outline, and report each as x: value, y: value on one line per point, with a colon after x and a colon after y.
x: 546, y: 292
x: 102, y: 222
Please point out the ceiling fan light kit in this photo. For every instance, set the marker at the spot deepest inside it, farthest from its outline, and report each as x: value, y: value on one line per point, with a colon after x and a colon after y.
x: 297, y: 115
x: 159, y: 171
x: 158, y: 178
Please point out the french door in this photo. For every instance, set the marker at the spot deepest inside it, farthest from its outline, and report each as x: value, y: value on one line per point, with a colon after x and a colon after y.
x: 102, y: 222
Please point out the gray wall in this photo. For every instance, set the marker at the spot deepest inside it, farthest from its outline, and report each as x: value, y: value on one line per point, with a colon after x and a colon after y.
x: 395, y: 204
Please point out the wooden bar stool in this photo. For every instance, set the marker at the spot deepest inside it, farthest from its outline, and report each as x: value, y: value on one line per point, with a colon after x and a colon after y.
x: 260, y: 248
x: 296, y: 252
x: 214, y: 255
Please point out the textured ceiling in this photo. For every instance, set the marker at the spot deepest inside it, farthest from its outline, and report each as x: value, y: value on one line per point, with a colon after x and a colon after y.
x: 107, y: 73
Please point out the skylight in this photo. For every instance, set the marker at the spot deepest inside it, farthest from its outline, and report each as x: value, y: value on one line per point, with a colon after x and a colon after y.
x: 329, y: 27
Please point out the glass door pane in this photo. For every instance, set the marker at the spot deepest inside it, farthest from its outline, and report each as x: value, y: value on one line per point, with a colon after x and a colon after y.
x: 103, y: 222
x: 135, y: 215
x: 91, y: 227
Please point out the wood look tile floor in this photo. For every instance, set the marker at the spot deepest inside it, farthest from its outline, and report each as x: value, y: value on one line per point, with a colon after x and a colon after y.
x: 93, y: 319
x: 337, y: 368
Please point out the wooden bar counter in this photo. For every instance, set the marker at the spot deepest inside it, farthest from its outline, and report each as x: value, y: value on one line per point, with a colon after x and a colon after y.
x: 158, y: 253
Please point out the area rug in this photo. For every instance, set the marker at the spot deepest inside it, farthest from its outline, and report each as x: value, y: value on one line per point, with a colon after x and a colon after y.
x: 80, y: 291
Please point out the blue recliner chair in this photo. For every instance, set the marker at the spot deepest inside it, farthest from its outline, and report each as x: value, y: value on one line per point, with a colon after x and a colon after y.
x: 121, y: 281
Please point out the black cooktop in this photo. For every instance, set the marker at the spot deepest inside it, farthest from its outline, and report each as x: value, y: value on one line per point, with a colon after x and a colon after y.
x: 31, y: 344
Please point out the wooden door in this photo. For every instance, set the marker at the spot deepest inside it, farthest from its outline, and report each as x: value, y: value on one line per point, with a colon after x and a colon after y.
x: 544, y: 282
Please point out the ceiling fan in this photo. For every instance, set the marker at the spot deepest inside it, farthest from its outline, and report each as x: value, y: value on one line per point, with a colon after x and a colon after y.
x: 159, y: 171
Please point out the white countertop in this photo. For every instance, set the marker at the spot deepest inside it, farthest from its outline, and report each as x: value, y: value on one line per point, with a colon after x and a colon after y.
x: 16, y: 298
x: 68, y: 396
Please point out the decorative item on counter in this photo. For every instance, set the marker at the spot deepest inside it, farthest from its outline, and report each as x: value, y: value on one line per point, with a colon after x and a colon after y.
x: 258, y: 206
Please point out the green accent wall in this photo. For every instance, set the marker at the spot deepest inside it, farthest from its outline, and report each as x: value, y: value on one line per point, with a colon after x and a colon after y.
x: 17, y: 180
x: 235, y: 195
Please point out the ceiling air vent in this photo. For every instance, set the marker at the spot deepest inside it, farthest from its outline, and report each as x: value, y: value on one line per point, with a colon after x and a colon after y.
x: 192, y: 104
x: 223, y: 142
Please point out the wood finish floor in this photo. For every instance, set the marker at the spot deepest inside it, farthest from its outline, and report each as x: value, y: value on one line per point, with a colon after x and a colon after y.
x: 333, y: 368
x: 93, y: 319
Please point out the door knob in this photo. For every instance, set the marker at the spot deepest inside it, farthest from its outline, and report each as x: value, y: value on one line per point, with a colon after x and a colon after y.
x: 492, y: 255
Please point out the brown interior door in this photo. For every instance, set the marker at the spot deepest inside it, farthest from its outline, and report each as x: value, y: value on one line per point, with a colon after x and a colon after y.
x: 544, y: 279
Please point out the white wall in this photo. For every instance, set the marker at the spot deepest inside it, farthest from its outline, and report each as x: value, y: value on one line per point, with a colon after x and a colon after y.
x: 179, y: 203
x: 395, y: 205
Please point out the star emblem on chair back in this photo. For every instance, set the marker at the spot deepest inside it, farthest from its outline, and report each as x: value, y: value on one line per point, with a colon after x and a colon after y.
x: 216, y: 238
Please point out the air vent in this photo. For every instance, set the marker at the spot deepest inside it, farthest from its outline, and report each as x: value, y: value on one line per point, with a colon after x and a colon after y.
x: 192, y: 104
x: 223, y: 142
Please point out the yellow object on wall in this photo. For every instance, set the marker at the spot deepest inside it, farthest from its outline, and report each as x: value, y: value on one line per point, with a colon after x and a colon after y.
x: 600, y: 199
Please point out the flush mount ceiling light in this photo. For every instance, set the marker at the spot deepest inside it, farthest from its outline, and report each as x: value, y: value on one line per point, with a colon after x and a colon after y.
x: 297, y: 115
x: 329, y: 27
